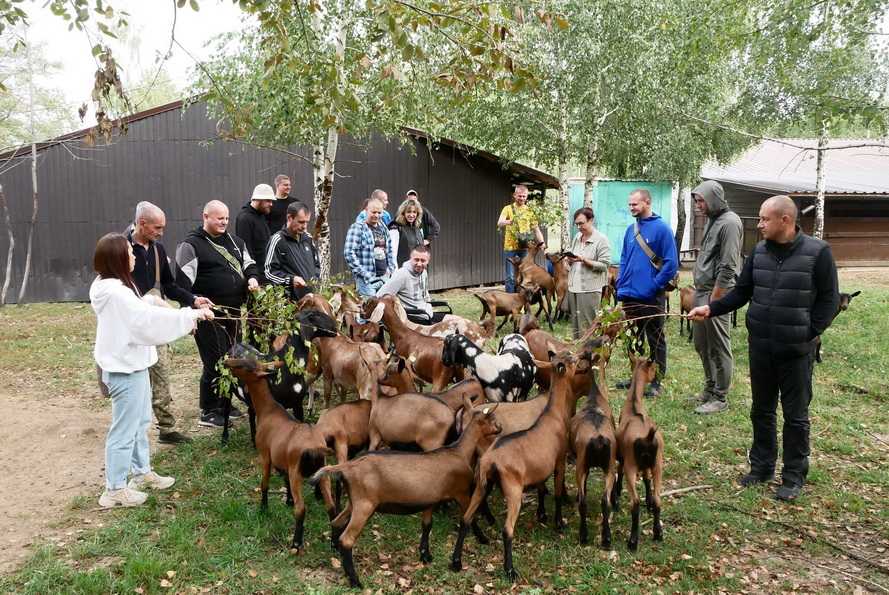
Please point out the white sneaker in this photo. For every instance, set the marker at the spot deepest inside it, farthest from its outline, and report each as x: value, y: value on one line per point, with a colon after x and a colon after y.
x: 122, y: 497
x: 150, y: 481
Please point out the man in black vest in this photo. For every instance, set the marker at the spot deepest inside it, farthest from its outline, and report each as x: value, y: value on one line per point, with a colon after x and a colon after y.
x: 790, y: 280
x: 152, y: 274
x: 215, y: 264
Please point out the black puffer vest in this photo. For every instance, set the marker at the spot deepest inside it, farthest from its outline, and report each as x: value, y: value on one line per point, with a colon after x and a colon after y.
x: 779, y: 320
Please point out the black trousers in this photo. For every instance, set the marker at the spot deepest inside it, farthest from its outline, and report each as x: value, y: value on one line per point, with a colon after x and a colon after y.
x: 214, y: 338
x: 419, y: 316
x: 789, y: 381
x: 649, y: 329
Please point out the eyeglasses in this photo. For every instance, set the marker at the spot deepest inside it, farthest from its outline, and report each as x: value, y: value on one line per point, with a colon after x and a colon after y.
x: 579, y: 223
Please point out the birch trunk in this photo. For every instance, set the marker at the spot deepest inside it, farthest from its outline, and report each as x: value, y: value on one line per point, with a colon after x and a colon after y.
x: 8, y: 277
x: 563, y: 200
x: 31, y: 226
x: 680, y: 217
x: 592, y: 174
x: 818, y: 230
x: 324, y: 159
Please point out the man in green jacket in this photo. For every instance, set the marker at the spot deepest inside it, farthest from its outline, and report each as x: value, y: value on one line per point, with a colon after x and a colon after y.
x: 716, y: 269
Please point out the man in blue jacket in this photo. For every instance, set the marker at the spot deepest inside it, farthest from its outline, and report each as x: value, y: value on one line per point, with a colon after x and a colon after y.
x: 648, y: 263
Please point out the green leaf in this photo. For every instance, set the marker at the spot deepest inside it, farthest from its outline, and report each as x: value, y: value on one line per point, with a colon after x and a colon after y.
x: 194, y: 5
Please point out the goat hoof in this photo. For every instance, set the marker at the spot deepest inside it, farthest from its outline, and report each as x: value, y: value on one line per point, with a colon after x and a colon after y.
x: 541, y: 518
x: 456, y: 565
x: 584, y: 538
x: 658, y: 536
x: 425, y: 557
x: 632, y: 545
x: 606, y: 545
x: 511, y: 575
x: 560, y: 525
x: 355, y: 584
x: 482, y: 538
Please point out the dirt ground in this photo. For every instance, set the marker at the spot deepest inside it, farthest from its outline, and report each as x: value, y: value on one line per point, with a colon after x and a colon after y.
x: 65, y: 464
x: 53, y: 463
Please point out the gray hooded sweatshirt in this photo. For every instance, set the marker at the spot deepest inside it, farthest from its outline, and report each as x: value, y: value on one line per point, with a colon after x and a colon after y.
x: 719, y: 260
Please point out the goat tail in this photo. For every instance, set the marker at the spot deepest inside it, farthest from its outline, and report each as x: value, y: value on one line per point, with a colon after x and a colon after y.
x: 645, y: 449
x: 311, y: 460
x: 484, y: 304
x: 331, y: 471
x: 597, y: 449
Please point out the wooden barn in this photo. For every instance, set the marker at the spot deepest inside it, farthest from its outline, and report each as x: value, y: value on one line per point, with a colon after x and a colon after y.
x: 856, y: 221
x: 171, y: 156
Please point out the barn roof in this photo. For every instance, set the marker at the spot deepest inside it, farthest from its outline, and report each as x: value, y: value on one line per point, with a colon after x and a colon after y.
x: 852, y: 166
x: 520, y: 173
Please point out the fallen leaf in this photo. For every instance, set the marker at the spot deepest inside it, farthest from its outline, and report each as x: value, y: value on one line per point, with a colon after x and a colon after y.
x: 171, y: 573
x: 478, y: 589
x: 165, y: 584
x: 403, y: 582
x: 252, y: 573
x: 139, y: 590
x: 335, y: 562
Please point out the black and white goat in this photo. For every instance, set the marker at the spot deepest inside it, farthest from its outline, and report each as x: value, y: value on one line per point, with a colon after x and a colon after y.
x: 507, y: 376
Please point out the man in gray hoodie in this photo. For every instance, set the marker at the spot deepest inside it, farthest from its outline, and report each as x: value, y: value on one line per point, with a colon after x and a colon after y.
x: 716, y: 269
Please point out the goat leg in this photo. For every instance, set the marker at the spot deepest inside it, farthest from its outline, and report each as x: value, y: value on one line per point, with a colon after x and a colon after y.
x: 606, y: 494
x: 541, y: 503
x: 633, y: 542
x: 226, y: 413
x: 349, y: 567
x: 508, y: 568
x: 425, y: 554
x: 457, y: 556
x: 512, y: 492
x: 559, y: 488
x: 264, y: 483
x: 485, y: 508
x: 615, y: 491
x: 649, y: 503
x: 657, y: 529
x: 581, y: 477
x: 299, y: 513
x: 251, y: 417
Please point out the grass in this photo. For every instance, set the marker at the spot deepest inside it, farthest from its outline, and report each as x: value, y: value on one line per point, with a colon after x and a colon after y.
x: 209, y: 536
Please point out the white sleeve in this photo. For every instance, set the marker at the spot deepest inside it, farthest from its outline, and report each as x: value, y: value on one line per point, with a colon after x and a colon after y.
x: 153, y: 325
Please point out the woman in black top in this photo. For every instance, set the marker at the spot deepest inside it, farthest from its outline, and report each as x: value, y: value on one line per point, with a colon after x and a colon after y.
x: 410, y: 231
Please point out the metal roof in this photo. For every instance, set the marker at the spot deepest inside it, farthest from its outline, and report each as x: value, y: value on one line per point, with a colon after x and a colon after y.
x: 852, y: 166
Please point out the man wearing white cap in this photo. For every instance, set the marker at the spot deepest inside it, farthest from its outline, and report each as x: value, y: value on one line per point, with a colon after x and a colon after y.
x: 252, y: 224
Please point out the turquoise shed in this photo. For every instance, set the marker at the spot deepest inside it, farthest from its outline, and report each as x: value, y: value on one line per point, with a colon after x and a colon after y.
x: 610, y: 207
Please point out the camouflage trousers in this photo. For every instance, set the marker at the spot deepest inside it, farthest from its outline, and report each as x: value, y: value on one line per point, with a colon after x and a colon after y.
x: 161, y: 398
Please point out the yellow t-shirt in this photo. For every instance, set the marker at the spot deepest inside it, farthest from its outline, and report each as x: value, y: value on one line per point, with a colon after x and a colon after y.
x: 523, y: 221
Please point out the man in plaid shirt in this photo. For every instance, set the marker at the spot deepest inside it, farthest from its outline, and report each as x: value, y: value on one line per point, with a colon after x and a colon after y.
x: 368, y: 251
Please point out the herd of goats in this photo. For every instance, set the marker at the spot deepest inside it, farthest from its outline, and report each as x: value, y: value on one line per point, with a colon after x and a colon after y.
x: 476, y: 429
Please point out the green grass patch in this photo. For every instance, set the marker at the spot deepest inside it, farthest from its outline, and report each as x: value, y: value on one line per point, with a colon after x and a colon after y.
x: 208, y: 535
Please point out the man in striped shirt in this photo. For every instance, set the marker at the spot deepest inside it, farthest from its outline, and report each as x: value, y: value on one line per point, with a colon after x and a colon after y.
x: 291, y: 259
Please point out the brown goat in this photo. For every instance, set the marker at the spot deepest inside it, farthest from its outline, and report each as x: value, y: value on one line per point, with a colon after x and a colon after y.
x: 422, y: 419
x: 422, y: 352
x: 541, y: 343
x: 406, y: 483
x: 348, y: 364
x: 529, y: 272
x: 524, y: 459
x: 609, y: 290
x: 641, y: 448
x: 560, y: 270
x: 592, y: 438
x: 367, y: 332
x: 342, y: 301
x: 293, y: 448
x: 477, y: 332
x: 314, y: 301
x: 509, y: 305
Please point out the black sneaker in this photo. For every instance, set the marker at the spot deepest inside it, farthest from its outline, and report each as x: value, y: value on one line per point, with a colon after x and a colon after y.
x: 173, y: 437
x: 750, y: 479
x: 623, y: 384
x: 652, y: 390
x: 235, y: 413
x: 788, y: 491
x: 211, y: 419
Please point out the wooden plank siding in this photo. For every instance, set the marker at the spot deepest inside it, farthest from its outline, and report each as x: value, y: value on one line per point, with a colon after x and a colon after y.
x: 169, y: 157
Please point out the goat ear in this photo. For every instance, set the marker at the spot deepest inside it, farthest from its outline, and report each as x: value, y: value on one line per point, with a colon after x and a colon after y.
x: 377, y: 314
x: 336, y: 301
x: 852, y: 295
x: 467, y: 403
x: 542, y: 365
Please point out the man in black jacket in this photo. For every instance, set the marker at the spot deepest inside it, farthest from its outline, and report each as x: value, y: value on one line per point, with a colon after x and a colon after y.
x: 252, y: 224
x: 151, y: 273
x: 790, y: 280
x: 215, y: 264
x: 292, y: 258
x: 278, y: 215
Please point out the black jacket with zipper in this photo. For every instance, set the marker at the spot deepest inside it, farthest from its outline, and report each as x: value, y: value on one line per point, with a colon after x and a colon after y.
x: 201, y: 269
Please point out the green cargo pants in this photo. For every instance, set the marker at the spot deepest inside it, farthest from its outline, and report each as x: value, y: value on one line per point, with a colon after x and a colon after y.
x: 161, y: 399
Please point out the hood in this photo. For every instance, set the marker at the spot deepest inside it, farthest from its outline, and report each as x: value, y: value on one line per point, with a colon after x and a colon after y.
x: 197, y: 232
x: 101, y: 291
x: 713, y: 195
x: 249, y: 210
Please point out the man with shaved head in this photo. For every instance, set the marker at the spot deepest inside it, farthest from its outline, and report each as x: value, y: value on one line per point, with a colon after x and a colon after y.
x: 790, y: 281
x: 215, y: 264
x: 152, y: 274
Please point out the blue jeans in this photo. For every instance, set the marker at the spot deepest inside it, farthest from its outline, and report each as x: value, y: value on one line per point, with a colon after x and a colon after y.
x: 509, y: 279
x: 368, y: 289
x: 126, y: 445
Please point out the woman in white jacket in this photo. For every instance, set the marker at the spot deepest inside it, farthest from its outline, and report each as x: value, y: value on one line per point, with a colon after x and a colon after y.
x: 128, y: 328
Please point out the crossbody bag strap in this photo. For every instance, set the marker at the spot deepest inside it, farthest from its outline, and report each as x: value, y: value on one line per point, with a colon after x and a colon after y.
x: 656, y: 261
x: 157, y: 268
x: 231, y: 260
